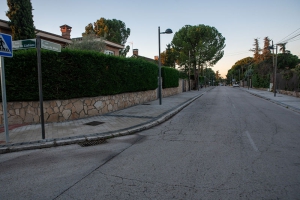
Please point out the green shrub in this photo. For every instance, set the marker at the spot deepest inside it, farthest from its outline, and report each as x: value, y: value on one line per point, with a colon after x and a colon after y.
x: 74, y: 74
x: 170, y: 77
x: 259, y: 81
x: 183, y: 75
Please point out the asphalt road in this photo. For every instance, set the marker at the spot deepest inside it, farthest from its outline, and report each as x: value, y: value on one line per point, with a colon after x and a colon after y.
x: 227, y: 144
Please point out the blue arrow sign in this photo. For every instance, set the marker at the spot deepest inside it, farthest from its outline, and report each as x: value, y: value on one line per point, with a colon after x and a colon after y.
x: 6, y: 45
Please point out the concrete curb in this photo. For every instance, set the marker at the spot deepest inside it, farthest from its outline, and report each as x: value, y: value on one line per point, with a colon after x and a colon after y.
x: 48, y: 143
x: 275, y: 102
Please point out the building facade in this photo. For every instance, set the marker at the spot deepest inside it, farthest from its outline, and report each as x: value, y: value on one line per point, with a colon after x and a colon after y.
x: 64, y: 39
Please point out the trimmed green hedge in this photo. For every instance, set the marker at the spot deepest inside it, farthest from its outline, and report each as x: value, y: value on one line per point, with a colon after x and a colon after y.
x: 74, y: 74
x: 259, y: 81
x: 170, y: 77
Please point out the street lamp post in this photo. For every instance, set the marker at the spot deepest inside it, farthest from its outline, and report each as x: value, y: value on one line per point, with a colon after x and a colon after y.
x: 189, y: 71
x: 168, y: 31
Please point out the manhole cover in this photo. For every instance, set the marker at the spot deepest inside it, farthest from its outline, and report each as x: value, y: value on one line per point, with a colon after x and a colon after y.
x: 94, y: 123
x: 91, y: 142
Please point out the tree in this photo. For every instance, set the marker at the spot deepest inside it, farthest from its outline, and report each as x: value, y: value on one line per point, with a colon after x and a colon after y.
x: 282, y: 47
x: 287, y: 61
x: 256, y: 50
x: 21, y: 22
x: 89, y: 29
x: 168, y: 57
x: 88, y: 42
x: 204, y: 44
x: 112, y: 30
x: 266, y: 53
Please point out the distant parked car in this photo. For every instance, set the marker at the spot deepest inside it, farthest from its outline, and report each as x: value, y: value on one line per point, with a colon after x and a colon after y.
x: 235, y: 85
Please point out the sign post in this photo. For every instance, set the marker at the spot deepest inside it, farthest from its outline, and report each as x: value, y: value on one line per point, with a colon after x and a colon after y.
x: 38, y: 50
x: 5, y: 51
x: 44, y: 44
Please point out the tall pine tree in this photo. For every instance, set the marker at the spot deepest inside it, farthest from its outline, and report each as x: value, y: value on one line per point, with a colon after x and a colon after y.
x: 266, y: 53
x: 256, y: 50
x: 21, y: 22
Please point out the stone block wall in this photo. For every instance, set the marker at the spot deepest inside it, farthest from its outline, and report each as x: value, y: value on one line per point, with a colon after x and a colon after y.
x: 63, y: 110
x: 291, y: 93
x: 169, y: 92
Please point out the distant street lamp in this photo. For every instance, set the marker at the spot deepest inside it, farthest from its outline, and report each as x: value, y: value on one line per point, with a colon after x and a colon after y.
x: 168, y: 31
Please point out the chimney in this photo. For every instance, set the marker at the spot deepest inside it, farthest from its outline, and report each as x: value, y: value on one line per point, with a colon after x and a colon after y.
x: 155, y: 57
x: 66, y: 31
x: 135, y: 52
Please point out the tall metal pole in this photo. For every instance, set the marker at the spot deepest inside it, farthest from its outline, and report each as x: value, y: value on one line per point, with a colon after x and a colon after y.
x: 38, y: 49
x: 189, y: 71
x: 275, y: 73
x: 239, y: 76
x: 159, y: 68
x: 4, y: 102
x: 197, y: 77
x: 205, y: 76
x: 274, y: 69
x: 248, y: 82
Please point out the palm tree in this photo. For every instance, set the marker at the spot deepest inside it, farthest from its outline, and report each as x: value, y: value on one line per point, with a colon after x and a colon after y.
x: 282, y: 47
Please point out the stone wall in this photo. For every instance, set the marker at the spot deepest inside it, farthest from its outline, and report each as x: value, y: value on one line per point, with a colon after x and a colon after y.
x: 291, y: 93
x: 63, y: 110
x: 169, y: 92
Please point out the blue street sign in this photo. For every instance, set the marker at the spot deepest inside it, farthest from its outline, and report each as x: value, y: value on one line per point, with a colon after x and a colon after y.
x: 6, y: 45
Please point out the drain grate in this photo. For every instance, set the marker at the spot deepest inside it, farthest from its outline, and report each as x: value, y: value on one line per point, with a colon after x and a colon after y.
x: 146, y: 104
x: 94, y: 123
x: 91, y: 142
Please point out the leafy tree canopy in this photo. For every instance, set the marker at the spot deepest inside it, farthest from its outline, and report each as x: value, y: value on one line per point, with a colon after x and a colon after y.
x: 21, y: 22
x: 287, y: 61
x: 112, y: 30
x: 204, y: 43
x: 168, y: 57
x: 241, y: 63
x: 88, y: 42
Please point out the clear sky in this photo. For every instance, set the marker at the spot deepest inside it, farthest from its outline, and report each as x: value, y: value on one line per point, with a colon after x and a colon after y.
x: 239, y: 21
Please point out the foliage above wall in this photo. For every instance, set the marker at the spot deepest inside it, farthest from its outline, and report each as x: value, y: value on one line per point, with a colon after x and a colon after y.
x: 74, y: 74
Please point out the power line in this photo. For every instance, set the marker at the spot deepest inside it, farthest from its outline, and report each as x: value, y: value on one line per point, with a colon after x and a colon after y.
x: 288, y: 35
x: 287, y: 40
x: 294, y: 40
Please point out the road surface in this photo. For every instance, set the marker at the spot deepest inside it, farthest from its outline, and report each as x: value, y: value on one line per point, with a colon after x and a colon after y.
x: 227, y: 144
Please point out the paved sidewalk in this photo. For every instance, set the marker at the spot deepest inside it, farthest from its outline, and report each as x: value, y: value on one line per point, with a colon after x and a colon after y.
x: 118, y: 123
x: 286, y: 101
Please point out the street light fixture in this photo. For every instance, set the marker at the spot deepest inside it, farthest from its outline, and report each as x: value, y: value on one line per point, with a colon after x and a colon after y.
x: 168, y: 31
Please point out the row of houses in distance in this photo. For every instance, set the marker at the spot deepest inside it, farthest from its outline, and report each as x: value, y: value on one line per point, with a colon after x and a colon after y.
x: 64, y: 39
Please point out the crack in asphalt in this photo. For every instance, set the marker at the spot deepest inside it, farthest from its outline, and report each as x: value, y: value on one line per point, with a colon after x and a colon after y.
x: 150, y: 182
x: 108, y: 160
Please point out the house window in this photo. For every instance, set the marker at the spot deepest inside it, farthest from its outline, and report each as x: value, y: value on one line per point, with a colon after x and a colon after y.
x: 108, y: 52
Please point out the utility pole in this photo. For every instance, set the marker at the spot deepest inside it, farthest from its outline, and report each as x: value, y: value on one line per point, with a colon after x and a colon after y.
x: 275, y: 72
x: 189, y: 71
x: 274, y: 75
x: 239, y: 76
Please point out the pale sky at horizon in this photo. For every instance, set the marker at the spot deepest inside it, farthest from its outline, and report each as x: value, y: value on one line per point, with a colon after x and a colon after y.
x: 240, y: 22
